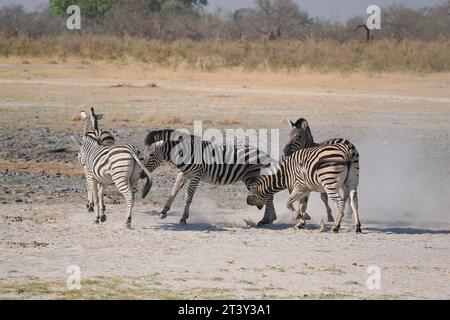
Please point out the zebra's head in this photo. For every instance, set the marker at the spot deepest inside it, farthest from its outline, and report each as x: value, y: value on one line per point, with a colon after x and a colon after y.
x: 300, y: 137
x: 91, y: 120
x: 154, y: 155
x: 254, y: 197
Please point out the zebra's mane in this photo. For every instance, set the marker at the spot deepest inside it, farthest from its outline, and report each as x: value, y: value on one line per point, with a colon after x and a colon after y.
x: 92, y: 135
x: 158, y: 135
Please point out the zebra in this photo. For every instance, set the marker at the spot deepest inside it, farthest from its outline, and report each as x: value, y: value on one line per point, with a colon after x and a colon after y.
x: 118, y: 164
x: 243, y: 164
x: 322, y: 169
x: 105, y: 138
x: 301, y: 137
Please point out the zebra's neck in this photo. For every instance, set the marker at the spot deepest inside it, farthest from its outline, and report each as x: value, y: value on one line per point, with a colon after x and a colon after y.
x: 309, y: 139
x: 88, y: 125
x: 89, y: 147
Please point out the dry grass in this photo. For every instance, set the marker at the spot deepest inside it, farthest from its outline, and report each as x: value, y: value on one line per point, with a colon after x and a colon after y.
x: 227, y: 122
x: 106, y: 288
x: 380, y: 55
x: 76, y: 116
x: 177, y: 121
x: 147, y: 118
x: 48, y: 167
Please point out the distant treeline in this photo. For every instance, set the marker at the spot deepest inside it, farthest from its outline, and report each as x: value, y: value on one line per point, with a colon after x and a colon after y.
x: 172, y: 20
x: 324, y: 56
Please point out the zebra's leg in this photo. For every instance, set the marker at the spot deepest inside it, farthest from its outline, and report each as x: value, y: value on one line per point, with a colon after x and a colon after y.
x: 354, y: 205
x: 269, y: 213
x: 129, y: 198
x: 126, y: 189
x: 193, y: 184
x: 101, y: 196
x: 339, y: 203
x: 94, y: 193
x: 179, y: 182
x: 303, y: 204
x: 294, y: 196
x: 90, y: 203
x: 345, y: 198
x: 324, y: 198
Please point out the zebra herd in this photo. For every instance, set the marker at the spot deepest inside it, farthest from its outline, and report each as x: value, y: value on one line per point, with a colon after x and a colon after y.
x: 306, y: 167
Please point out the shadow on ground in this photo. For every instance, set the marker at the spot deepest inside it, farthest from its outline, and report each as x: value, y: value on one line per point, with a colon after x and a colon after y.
x: 406, y: 230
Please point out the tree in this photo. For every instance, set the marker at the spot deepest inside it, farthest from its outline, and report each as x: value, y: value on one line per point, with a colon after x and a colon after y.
x: 89, y: 8
x: 280, y: 19
x: 179, y: 19
x: 94, y: 8
x: 135, y: 18
x: 15, y: 21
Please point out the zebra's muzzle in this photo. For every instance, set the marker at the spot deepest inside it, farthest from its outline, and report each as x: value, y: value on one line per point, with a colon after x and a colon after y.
x: 252, y: 202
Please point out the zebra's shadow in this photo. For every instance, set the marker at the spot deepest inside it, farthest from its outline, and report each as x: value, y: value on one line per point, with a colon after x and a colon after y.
x: 175, y: 226
x: 404, y: 230
x: 157, y: 213
x: 278, y: 226
x: 197, y: 227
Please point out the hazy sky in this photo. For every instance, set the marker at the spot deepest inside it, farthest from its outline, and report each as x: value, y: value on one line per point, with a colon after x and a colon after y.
x: 339, y: 9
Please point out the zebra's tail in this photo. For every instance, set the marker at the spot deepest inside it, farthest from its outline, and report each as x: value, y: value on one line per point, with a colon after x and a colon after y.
x: 147, y: 187
x: 148, y: 184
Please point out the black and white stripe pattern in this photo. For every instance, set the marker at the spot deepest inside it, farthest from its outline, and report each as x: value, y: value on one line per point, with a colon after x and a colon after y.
x: 230, y: 164
x: 104, y: 138
x: 106, y: 165
x: 323, y: 169
x: 301, y: 137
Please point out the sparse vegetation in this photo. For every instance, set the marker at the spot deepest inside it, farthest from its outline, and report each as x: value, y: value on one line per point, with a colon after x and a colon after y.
x: 273, y: 35
x: 107, y: 288
x: 327, y: 56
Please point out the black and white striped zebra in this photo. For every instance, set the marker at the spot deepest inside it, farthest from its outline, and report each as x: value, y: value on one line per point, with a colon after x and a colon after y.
x: 119, y: 164
x: 323, y: 169
x: 301, y: 137
x: 104, y: 138
x: 230, y: 165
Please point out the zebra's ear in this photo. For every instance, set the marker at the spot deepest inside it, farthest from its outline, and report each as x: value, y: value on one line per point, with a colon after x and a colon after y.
x: 291, y: 124
x: 83, y: 114
x: 76, y: 140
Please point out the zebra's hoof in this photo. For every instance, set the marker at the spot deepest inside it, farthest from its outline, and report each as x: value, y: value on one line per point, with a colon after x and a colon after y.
x: 300, y: 225
x: 90, y: 209
x: 335, y: 229
x: 358, y: 229
x: 183, y: 222
x: 163, y: 215
x: 263, y: 223
x: 103, y: 218
x: 96, y: 221
x: 306, y: 216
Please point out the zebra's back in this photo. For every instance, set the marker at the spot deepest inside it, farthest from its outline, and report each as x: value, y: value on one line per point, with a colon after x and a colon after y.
x: 109, y: 161
x: 320, y: 167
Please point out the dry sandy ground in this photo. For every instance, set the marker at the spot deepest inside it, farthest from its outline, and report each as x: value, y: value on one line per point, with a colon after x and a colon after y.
x: 216, y: 255
x: 400, y: 123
